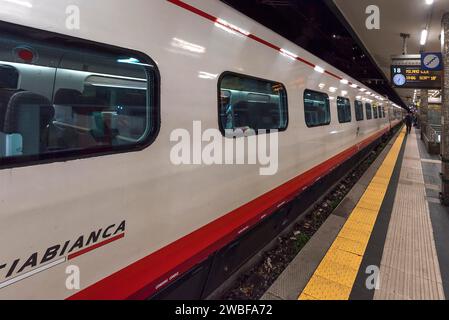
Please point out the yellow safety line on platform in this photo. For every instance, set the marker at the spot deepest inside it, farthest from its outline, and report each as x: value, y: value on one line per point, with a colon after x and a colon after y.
x: 336, y: 274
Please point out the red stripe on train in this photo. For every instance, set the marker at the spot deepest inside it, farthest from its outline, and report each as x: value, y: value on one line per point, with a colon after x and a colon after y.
x: 144, y: 277
x: 94, y: 247
x: 212, y: 18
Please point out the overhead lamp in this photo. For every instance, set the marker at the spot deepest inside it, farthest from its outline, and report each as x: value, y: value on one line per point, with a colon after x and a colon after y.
x: 442, y: 38
x: 429, y: 2
x: 424, y: 34
x: 344, y: 81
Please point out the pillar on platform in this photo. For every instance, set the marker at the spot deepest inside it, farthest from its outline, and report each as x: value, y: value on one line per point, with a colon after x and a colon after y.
x: 423, y: 113
x: 445, y: 112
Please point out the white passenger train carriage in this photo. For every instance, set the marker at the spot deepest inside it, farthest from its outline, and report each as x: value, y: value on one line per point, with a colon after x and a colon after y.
x: 86, y: 117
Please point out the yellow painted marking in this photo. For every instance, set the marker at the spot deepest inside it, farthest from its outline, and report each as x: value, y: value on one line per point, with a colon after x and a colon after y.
x: 326, y: 289
x: 336, y: 272
x: 307, y: 297
x: 347, y: 259
x: 335, y: 276
x: 351, y: 246
x: 355, y: 234
x: 363, y: 215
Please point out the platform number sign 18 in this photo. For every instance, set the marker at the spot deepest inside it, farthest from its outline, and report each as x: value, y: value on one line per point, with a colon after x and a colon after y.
x: 399, y: 79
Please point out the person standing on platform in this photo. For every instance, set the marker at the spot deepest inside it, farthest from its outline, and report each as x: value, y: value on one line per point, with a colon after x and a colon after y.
x: 408, y: 122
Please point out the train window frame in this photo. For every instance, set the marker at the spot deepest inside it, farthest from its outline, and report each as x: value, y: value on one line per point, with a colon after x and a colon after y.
x: 328, y: 109
x: 348, y: 106
x: 369, y: 115
x: 375, y: 112
x: 219, y: 105
x: 153, y: 98
x: 358, y: 103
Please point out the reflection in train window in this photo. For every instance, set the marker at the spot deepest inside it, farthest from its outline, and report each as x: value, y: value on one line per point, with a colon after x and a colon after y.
x: 344, y: 110
x: 359, y: 110
x: 317, y: 108
x: 251, y: 103
x: 59, y: 100
x: 376, y: 115
x: 9, y: 77
x: 369, y: 111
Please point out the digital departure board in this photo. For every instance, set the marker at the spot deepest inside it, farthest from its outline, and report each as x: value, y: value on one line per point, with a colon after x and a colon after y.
x: 413, y: 77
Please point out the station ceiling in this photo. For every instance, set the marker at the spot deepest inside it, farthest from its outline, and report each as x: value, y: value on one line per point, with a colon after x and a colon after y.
x: 396, y: 17
x: 335, y: 31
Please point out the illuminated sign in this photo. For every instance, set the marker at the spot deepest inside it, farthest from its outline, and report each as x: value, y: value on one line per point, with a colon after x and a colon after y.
x: 413, y: 77
x: 432, y: 61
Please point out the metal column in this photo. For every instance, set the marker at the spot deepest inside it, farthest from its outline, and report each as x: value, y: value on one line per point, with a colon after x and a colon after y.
x: 445, y: 113
x: 424, y: 110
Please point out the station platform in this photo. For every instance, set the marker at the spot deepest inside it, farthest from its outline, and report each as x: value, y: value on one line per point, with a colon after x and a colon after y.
x: 388, y: 239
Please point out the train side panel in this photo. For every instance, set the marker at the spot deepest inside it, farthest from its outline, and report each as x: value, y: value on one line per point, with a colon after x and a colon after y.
x: 143, y: 195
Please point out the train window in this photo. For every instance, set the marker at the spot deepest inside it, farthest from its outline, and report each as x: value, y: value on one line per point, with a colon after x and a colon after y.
x: 359, y: 110
x: 375, y: 112
x: 369, y: 111
x: 250, y: 103
x: 9, y: 77
x: 316, y: 108
x: 344, y: 110
x: 74, y: 98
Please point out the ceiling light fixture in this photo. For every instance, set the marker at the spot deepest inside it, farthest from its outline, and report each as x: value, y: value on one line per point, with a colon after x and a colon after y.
x: 424, y: 34
x: 442, y: 38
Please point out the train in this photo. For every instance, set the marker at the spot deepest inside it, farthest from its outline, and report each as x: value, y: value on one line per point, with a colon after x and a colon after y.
x: 92, y: 106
